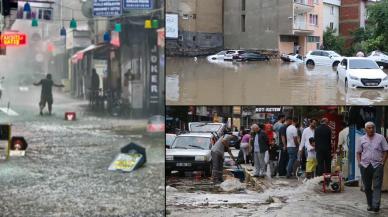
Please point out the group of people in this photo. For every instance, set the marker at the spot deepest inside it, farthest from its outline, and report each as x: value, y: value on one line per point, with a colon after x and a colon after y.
x: 286, y: 142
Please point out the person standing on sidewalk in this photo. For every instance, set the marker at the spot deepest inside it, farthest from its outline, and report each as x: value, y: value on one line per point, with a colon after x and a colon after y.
x: 47, y: 93
x: 259, y: 144
x: 372, y: 153
x: 306, y: 135
x: 322, y: 136
x: 292, y: 145
x: 244, y: 145
x: 217, y: 153
x: 283, y: 146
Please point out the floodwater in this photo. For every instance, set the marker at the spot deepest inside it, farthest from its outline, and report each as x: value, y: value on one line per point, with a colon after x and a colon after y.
x: 201, y: 82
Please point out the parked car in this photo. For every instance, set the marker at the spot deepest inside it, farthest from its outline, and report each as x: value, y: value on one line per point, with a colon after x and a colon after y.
x: 205, y: 127
x: 190, y: 152
x: 226, y: 55
x: 170, y: 139
x: 323, y: 57
x: 156, y: 124
x: 291, y: 57
x: 361, y: 72
x: 381, y: 58
x: 250, y: 56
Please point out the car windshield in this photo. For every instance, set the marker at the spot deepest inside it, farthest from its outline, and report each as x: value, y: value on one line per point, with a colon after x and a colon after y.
x: 191, y: 142
x: 221, y: 53
x: 158, y: 119
x: 334, y: 54
x: 170, y: 139
x: 204, y: 127
x: 362, y: 64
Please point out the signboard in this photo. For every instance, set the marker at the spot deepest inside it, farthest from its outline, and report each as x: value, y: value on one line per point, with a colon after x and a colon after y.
x: 137, y: 4
x: 13, y: 39
x: 154, y: 75
x: 268, y: 109
x: 172, y: 26
x: 104, y: 8
x: 125, y: 162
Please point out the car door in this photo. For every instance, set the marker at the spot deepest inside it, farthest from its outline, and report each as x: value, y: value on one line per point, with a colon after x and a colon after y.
x: 325, y: 58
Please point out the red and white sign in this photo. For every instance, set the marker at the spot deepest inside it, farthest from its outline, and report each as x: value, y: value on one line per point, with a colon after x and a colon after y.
x: 13, y: 39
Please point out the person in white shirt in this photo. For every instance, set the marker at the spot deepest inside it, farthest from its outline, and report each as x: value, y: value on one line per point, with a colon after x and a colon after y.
x: 306, y: 135
x: 292, y: 145
x: 311, y: 162
x: 342, y: 149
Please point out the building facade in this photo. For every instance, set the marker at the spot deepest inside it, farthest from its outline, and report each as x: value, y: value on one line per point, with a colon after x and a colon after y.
x: 200, y: 27
x: 282, y: 26
x: 331, y: 9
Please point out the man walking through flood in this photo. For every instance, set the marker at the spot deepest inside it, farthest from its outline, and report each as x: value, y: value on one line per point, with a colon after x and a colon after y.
x: 47, y: 93
x: 372, y: 153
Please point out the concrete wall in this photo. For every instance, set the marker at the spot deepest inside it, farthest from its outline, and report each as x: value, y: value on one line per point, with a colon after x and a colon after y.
x: 329, y: 17
x: 264, y: 21
x: 200, y: 27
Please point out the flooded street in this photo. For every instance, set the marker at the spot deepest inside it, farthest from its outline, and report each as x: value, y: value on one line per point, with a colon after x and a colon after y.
x: 200, y: 82
x: 65, y: 170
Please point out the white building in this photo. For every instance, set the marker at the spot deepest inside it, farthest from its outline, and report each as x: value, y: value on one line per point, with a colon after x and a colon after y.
x: 331, y: 10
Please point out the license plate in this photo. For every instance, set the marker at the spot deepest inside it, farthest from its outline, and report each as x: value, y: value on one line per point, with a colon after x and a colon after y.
x: 183, y: 164
x: 371, y: 84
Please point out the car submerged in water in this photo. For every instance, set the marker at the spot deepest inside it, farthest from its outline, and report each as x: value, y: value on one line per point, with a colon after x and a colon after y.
x: 323, y: 57
x: 291, y: 57
x: 361, y: 72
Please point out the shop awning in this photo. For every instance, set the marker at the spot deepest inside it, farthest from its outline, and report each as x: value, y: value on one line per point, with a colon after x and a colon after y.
x: 80, y: 54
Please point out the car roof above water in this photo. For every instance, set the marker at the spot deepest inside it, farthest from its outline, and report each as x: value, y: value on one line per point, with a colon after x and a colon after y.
x: 209, y: 135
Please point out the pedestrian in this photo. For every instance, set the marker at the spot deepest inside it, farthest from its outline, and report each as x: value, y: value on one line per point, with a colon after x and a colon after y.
x: 342, y: 149
x: 360, y: 54
x: 292, y: 145
x: 273, y: 159
x: 268, y: 129
x: 311, y: 162
x: 259, y: 144
x: 283, y: 146
x: 244, y: 146
x: 217, y: 153
x: 47, y: 93
x: 322, y: 136
x: 372, y: 153
x: 306, y: 135
x: 277, y: 126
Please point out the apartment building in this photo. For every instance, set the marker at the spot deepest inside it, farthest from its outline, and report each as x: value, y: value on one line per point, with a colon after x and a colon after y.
x: 200, y: 27
x: 331, y: 13
x: 283, y: 26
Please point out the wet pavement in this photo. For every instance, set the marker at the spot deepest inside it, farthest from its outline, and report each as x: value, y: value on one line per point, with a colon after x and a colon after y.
x: 282, y: 197
x: 201, y: 82
x: 65, y: 170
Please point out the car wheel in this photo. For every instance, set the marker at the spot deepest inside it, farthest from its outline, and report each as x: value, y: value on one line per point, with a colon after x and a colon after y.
x: 310, y: 63
x: 208, y: 170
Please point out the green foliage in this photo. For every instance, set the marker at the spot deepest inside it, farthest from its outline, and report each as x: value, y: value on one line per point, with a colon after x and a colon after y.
x: 375, y: 34
x: 332, y: 41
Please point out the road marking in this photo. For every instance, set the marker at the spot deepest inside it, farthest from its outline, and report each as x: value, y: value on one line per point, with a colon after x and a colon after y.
x: 9, y: 111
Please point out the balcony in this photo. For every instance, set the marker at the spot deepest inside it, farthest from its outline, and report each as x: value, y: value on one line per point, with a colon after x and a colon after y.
x: 303, y: 6
x: 301, y: 28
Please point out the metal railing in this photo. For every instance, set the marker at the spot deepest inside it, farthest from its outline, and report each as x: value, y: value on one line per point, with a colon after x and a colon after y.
x: 300, y: 25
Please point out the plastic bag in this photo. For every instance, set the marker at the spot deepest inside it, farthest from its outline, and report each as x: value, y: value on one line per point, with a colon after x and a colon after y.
x: 266, y: 157
x: 231, y: 185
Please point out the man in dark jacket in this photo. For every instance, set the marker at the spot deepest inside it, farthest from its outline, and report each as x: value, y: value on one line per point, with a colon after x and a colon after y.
x: 259, y: 143
x: 322, y: 136
x: 47, y: 93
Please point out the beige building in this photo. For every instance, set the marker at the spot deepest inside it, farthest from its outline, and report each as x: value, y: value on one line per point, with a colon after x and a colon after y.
x: 200, y: 26
x: 283, y: 26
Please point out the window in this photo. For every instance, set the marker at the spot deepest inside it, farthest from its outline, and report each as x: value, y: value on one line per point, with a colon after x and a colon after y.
x: 243, y: 5
x: 325, y: 54
x: 180, y: 37
x: 316, y: 53
x: 344, y: 63
x: 316, y: 1
x: 313, y: 19
x: 288, y: 38
x: 313, y: 39
x: 332, y: 10
x: 194, y: 38
x: 242, y: 23
x: 331, y: 25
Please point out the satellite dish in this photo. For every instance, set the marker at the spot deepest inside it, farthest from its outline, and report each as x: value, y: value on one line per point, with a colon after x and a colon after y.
x: 87, y: 9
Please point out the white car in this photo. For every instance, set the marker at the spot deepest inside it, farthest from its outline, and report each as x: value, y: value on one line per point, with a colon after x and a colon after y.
x: 323, y: 57
x: 381, y: 58
x: 190, y: 152
x: 292, y: 58
x: 225, y: 55
x: 361, y: 72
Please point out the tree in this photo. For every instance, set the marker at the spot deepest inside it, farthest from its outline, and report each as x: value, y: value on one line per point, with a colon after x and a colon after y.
x: 332, y: 41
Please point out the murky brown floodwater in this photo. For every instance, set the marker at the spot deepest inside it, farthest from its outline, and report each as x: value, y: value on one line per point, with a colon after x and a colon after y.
x: 260, y: 83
